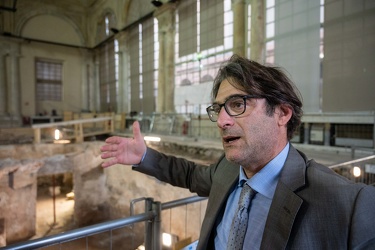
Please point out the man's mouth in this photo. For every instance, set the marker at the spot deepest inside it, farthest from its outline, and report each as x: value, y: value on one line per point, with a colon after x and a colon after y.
x: 230, y: 139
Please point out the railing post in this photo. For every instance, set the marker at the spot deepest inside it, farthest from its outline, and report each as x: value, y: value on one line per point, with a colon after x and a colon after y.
x: 36, y: 135
x: 112, y: 122
x: 78, y: 132
x: 148, y: 225
x: 157, y: 226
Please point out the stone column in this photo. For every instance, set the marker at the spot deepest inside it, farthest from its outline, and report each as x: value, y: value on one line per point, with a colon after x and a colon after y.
x: 258, y: 28
x: 86, y: 79
x: 239, y: 27
x: 13, y: 84
x: 95, y: 104
x: 160, y: 102
x: 166, y: 18
x: 327, y: 134
x: 123, y: 102
x: 3, y: 99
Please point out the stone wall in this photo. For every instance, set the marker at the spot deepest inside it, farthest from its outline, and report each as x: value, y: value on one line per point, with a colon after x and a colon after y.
x: 18, y: 198
x: 100, y: 194
x: 20, y: 165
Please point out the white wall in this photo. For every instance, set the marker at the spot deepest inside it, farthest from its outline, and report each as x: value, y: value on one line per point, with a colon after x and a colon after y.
x: 72, y: 78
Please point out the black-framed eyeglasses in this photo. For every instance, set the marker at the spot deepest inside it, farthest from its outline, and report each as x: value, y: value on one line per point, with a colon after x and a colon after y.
x: 234, y: 106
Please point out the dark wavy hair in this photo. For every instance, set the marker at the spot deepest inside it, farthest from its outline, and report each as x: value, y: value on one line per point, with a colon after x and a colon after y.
x: 268, y: 82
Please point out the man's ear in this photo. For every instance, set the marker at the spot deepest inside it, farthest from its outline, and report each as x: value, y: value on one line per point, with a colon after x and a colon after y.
x: 285, y: 113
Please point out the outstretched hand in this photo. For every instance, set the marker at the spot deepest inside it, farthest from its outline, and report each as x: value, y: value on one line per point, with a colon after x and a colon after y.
x: 121, y: 150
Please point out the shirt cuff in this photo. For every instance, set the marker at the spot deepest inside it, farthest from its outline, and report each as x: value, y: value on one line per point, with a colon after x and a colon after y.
x: 143, y: 157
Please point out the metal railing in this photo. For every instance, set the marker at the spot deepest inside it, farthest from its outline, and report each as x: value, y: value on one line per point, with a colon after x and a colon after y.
x: 151, y: 217
x: 359, y: 170
x: 75, y: 129
x: 189, y: 125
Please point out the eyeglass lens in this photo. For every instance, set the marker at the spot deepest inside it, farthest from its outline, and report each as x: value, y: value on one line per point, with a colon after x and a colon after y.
x: 234, y: 106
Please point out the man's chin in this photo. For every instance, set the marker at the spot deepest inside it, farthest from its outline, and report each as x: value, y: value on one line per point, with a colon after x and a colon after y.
x: 231, y: 157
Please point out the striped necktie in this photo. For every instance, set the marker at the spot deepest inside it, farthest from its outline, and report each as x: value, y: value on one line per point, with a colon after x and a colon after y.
x: 240, y: 219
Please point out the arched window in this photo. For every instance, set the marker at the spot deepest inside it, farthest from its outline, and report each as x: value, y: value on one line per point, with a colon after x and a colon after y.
x: 185, y: 82
x: 207, y: 78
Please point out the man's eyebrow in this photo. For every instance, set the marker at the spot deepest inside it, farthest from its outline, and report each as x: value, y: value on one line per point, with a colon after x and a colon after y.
x: 228, y: 97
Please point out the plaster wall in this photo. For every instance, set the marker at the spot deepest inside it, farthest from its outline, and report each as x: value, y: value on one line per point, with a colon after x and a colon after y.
x: 73, y: 65
x: 65, y: 33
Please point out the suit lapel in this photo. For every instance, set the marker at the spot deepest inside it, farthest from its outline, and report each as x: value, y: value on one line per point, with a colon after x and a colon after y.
x: 286, y: 203
x: 281, y: 216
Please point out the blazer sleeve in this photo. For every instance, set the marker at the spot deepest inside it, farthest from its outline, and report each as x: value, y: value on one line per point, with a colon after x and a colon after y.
x: 363, y: 220
x: 177, y: 172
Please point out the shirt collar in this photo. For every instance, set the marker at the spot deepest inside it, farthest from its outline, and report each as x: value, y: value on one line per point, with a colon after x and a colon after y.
x: 265, y: 181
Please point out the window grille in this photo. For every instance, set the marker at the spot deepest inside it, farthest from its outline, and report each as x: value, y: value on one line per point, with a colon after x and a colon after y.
x: 204, y: 39
x: 48, y: 80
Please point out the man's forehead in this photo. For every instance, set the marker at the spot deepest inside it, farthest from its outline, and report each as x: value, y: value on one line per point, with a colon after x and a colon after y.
x: 227, y: 90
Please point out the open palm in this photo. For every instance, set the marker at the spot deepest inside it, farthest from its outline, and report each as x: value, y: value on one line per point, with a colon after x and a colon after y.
x: 121, y: 150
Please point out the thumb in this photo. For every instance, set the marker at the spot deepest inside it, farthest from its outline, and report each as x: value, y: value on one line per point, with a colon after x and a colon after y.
x: 137, y: 132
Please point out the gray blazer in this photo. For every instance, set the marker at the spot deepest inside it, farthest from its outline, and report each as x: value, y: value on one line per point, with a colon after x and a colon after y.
x: 313, y: 207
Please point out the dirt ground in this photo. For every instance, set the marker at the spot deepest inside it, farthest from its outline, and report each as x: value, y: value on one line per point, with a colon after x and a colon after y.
x: 47, y: 223
x: 51, y: 221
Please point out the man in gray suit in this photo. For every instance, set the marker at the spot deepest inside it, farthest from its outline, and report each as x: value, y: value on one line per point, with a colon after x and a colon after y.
x: 298, y: 203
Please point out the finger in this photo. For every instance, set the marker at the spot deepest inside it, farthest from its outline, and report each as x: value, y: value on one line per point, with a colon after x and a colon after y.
x: 112, y: 140
x: 137, y: 132
x: 106, y: 164
x: 105, y: 155
x: 109, y: 163
x: 104, y: 148
x: 108, y: 147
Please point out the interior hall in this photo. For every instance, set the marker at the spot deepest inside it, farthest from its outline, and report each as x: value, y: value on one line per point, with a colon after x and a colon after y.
x: 74, y: 72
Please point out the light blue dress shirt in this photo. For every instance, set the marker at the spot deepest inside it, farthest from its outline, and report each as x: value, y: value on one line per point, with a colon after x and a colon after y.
x: 264, y: 182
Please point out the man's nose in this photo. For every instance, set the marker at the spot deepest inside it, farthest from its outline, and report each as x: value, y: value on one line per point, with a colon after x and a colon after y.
x: 224, y: 119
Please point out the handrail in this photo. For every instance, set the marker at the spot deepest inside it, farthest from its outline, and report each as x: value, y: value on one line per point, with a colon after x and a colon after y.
x: 180, y: 202
x: 353, y: 161
x: 72, y: 122
x: 78, y: 130
x: 81, y: 232
x: 359, y: 170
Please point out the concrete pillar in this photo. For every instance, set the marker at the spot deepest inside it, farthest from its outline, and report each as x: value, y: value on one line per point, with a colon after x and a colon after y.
x: 3, y: 99
x: 10, y: 93
x: 327, y: 134
x: 13, y: 86
x: 96, y: 105
x: 123, y: 102
x: 160, y: 103
x: 239, y: 27
x: 165, y: 15
x: 87, y: 78
x: 258, y: 30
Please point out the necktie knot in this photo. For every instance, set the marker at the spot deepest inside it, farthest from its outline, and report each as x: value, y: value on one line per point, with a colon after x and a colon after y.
x: 246, y: 195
